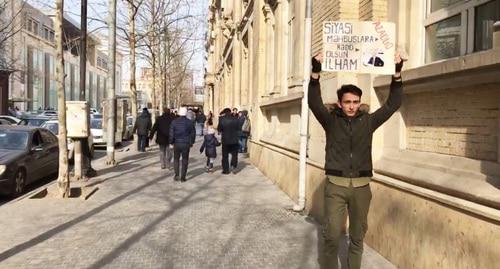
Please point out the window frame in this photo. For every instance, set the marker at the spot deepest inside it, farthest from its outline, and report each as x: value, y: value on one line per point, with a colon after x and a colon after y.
x: 466, y: 9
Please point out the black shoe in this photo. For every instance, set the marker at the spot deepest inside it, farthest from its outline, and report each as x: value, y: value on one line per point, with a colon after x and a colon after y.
x: 183, y: 180
x: 225, y: 172
x: 176, y: 178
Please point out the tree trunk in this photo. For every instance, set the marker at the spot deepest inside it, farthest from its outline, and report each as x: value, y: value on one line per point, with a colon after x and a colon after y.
x: 153, y: 54
x: 111, y: 102
x: 133, y: 90
x: 63, y: 179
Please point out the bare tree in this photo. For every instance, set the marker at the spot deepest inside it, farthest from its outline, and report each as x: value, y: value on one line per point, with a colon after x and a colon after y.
x: 10, y: 25
x: 63, y: 179
x: 133, y: 8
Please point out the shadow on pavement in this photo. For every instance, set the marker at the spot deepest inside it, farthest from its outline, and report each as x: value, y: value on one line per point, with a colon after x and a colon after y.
x: 150, y: 227
x: 106, y: 259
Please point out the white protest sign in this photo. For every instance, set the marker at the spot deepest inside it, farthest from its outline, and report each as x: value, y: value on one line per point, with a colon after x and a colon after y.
x: 359, y: 46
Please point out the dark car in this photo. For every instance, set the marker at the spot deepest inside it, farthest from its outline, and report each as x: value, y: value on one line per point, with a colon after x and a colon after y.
x: 35, y: 120
x: 27, y: 154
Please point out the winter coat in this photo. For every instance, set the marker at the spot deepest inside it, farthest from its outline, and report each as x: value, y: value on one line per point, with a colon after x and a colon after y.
x: 349, y: 139
x: 182, y: 131
x: 210, y: 143
x: 230, y: 128
x: 201, y: 118
x: 143, y: 124
x: 162, y: 129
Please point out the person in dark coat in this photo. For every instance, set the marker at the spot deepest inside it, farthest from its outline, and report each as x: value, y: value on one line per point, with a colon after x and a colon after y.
x: 200, y: 122
x: 162, y: 130
x: 182, y: 135
x: 210, y: 144
x: 245, y: 130
x: 142, y: 126
x: 229, y: 126
x: 348, y: 160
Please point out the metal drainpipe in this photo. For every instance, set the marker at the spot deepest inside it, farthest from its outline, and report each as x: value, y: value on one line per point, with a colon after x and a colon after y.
x: 304, y: 115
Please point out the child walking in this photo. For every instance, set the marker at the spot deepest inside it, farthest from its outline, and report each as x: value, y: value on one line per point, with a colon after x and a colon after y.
x: 210, y: 143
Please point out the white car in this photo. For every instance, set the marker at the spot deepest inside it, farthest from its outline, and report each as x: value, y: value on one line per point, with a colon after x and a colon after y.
x: 53, y: 127
x: 12, y: 120
x: 97, y: 133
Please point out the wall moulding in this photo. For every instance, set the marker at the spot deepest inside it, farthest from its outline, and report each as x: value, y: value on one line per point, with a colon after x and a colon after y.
x: 288, y: 100
x: 473, y: 69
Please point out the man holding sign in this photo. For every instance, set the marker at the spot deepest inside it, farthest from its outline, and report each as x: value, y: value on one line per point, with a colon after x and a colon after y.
x: 348, y: 160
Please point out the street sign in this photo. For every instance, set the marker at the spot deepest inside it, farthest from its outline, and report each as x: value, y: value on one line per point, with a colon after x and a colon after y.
x: 359, y: 46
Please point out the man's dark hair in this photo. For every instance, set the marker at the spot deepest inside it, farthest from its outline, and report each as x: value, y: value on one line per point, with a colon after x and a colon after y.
x: 348, y: 88
x: 225, y: 111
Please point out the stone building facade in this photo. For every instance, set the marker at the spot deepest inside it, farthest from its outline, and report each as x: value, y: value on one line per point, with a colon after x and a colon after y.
x: 436, y: 188
x: 32, y: 52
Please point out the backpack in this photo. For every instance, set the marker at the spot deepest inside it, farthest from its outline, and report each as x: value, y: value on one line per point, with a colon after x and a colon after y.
x: 246, y: 126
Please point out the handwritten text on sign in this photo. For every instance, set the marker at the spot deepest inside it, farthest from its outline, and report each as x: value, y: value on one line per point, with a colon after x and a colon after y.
x: 360, y: 47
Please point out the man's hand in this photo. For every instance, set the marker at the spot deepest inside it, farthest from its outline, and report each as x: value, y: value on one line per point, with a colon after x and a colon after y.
x: 399, y: 65
x: 316, y: 65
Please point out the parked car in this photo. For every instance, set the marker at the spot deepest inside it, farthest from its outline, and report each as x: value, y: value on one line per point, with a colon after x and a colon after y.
x: 27, y: 154
x: 50, y: 113
x: 5, y: 122
x: 53, y: 127
x: 96, y: 116
x: 35, y: 120
x: 11, y: 119
x: 97, y: 132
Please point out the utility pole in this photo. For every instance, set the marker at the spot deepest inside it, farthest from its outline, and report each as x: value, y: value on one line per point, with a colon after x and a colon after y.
x: 81, y: 144
x: 304, y: 114
x: 111, y: 102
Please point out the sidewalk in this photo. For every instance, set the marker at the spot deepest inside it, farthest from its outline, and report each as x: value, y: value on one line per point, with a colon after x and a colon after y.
x: 141, y: 218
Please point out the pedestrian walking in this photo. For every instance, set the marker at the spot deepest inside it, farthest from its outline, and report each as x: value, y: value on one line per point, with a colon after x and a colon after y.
x: 229, y: 127
x: 182, y: 135
x: 245, y: 131
x: 210, y: 144
x: 348, y: 164
x: 142, y: 126
x: 162, y: 130
x: 200, y: 122
x: 210, y: 119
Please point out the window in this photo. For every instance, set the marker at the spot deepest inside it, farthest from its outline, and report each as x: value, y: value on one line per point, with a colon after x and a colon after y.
x: 29, y: 24
x: 51, y: 36
x: 439, y: 4
x: 486, y: 16
x: 46, y: 33
x: 443, y: 39
x: 458, y: 27
x: 35, y: 28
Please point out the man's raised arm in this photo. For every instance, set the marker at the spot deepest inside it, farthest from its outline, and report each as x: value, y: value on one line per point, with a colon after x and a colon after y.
x: 314, y: 94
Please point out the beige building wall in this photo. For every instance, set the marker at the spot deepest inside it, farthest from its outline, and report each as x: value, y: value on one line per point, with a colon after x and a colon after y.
x: 32, y: 52
x: 436, y: 197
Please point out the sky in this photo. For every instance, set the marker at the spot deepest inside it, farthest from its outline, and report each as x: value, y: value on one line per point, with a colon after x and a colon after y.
x: 97, y: 13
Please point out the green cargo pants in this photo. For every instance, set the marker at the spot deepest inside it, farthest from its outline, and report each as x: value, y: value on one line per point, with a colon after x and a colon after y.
x: 357, y: 200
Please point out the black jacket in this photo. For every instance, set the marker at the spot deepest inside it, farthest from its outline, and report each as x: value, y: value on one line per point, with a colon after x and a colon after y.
x: 143, y: 124
x: 210, y: 143
x: 349, y: 140
x: 162, y: 129
x: 182, y: 131
x: 230, y: 128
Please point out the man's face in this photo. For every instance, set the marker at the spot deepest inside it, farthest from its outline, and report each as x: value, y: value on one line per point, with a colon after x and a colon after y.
x: 350, y: 104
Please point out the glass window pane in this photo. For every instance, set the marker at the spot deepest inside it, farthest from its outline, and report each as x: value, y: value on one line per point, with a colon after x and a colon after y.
x: 439, y: 4
x: 443, y: 39
x: 486, y: 16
